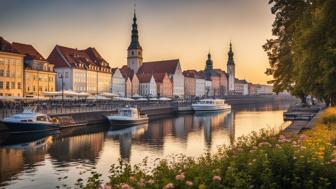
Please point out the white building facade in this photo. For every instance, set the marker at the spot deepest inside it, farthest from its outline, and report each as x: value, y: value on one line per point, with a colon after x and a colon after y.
x: 200, y: 87
x: 118, y: 83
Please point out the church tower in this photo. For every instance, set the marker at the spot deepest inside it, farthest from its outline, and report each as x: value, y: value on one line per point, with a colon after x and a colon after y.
x: 231, y: 71
x: 208, y: 66
x: 134, y: 51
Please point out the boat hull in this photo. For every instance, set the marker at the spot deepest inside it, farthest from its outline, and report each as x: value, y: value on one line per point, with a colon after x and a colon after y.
x: 13, y: 127
x: 127, y: 122
x: 198, y: 107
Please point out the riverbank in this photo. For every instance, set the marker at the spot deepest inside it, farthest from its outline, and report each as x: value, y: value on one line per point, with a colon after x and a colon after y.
x: 260, y: 160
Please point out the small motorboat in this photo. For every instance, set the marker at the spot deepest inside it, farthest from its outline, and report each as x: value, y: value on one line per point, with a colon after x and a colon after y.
x: 29, y: 121
x: 211, y: 105
x: 127, y: 117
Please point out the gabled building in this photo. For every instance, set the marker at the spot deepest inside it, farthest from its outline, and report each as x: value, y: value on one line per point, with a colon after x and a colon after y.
x: 118, y: 83
x: 81, y: 70
x: 190, y: 83
x: 173, y: 70
x: 147, y: 85
x: 39, y: 74
x: 163, y: 84
x: 132, y: 81
x: 223, y: 83
x: 11, y: 70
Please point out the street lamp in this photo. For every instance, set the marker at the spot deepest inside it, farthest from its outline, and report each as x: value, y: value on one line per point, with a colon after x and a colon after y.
x: 61, y: 76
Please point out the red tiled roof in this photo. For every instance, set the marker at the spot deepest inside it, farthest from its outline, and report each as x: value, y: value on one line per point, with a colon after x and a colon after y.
x: 164, y: 66
x: 27, y: 50
x: 159, y: 77
x: 5, y: 46
x: 190, y: 73
x: 127, y: 72
x: 82, y: 59
x: 144, y: 78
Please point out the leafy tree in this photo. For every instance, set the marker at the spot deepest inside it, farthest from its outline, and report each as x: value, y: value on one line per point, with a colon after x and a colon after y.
x: 279, y: 49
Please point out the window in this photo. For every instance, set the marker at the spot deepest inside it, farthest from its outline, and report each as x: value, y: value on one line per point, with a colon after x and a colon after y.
x: 66, y: 74
x: 2, y: 73
x: 2, y: 61
x: 7, y: 73
x: 40, y: 88
x: 28, y: 89
x: 19, y: 85
x: 7, y: 85
x: 132, y: 53
x: 13, y: 85
x: 1, y: 85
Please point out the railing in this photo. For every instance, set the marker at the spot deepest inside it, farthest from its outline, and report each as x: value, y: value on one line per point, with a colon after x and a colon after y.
x: 56, y: 107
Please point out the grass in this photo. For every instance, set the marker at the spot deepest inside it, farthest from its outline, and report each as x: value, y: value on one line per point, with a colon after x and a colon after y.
x: 260, y: 160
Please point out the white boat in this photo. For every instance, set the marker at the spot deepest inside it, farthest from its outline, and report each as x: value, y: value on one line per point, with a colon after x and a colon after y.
x: 29, y: 121
x: 127, y: 117
x: 211, y: 105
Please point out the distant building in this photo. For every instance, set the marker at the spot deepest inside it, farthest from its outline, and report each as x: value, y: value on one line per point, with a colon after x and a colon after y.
x: 163, y: 84
x: 208, y: 87
x: 39, y: 74
x: 189, y: 83
x: 240, y: 86
x: 171, y: 67
x: 252, y: 89
x: 81, y: 70
x: 200, y: 85
x: 11, y: 70
x: 147, y: 85
x: 214, y: 76
x: 264, y: 89
x: 231, y: 72
x: 132, y: 82
x: 223, y: 83
x: 118, y: 83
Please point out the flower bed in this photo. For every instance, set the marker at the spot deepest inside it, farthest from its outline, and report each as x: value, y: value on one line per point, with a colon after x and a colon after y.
x: 261, y: 160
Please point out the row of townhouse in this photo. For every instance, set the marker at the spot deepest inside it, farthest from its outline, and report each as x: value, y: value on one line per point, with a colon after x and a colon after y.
x: 24, y: 71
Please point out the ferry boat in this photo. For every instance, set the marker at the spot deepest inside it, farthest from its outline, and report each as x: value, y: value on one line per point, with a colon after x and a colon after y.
x: 211, y: 105
x: 29, y: 121
x: 127, y: 117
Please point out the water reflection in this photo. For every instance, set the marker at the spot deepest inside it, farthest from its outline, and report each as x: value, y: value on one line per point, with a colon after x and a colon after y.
x: 37, y: 161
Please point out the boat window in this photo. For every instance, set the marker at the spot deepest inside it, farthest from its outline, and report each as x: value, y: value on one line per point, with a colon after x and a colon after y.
x: 29, y: 120
x: 24, y: 121
x: 41, y: 118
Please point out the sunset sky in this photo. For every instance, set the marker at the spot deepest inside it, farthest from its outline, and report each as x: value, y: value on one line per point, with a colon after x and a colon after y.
x: 184, y: 29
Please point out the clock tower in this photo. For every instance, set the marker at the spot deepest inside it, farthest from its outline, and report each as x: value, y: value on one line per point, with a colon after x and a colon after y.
x: 134, y: 51
x: 231, y: 71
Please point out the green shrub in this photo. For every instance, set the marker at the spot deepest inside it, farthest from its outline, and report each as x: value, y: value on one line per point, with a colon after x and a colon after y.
x: 264, y: 160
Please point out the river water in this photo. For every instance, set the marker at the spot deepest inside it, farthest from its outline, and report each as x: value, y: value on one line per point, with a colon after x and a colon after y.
x: 59, y: 159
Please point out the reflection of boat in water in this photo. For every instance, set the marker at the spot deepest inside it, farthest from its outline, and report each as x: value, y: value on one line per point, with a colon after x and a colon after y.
x: 130, y: 130
x: 29, y: 121
x: 211, y: 105
x: 27, y: 142
x: 209, y: 113
x: 127, y: 117
x: 24, y: 139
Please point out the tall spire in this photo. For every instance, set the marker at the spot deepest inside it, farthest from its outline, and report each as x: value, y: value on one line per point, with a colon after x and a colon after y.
x: 135, y: 37
x: 230, y: 55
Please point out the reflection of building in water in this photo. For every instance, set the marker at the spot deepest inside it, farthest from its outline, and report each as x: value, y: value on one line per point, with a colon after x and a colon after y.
x: 126, y: 138
x: 83, y: 147
x: 210, y: 122
x: 230, y: 122
x: 14, y: 158
x: 179, y: 128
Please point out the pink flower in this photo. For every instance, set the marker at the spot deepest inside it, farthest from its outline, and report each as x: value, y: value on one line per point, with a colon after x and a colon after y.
x: 179, y: 177
x: 333, y: 161
x: 169, y: 185
x: 125, y: 186
x: 189, y: 183
x: 105, y: 186
x: 150, y: 181
x: 302, y: 137
x: 216, y: 178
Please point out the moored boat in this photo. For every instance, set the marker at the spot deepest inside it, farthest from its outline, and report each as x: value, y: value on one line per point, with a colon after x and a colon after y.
x: 29, y: 121
x: 211, y: 105
x: 127, y: 117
